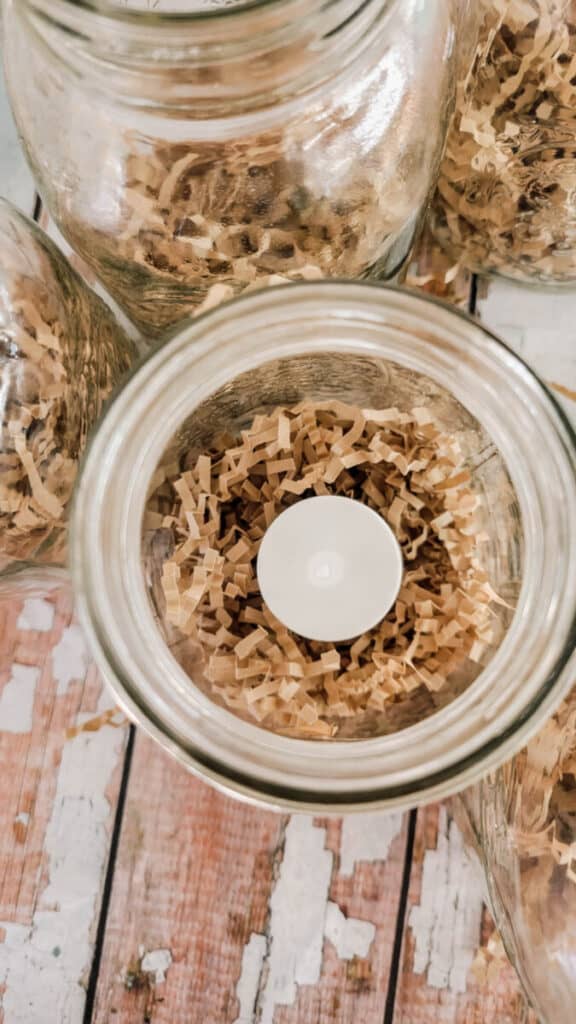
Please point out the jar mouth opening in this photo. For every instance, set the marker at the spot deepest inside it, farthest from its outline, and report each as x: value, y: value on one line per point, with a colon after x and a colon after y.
x: 480, y: 726
x: 336, y: 392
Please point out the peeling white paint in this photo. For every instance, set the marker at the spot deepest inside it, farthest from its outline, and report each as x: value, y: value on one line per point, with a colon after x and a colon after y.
x: 37, y: 614
x: 298, y: 909
x: 447, y: 922
x: 22, y: 819
x: 17, y: 699
x: 301, y: 916
x: 249, y: 980
x: 69, y: 658
x: 43, y: 966
x: 157, y: 962
x: 349, y: 936
x: 367, y: 837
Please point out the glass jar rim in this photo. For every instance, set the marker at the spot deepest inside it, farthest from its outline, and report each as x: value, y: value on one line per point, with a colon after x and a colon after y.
x: 136, y: 17
x: 130, y: 15
x: 495, y: 715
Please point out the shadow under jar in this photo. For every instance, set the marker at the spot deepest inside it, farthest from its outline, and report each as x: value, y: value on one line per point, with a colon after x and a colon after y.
x: 154, y: 518
x: 189, y: 151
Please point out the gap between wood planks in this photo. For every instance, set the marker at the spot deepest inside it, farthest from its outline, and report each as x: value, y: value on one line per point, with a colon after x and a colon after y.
x: 108, y: 880
x: 397, y: 954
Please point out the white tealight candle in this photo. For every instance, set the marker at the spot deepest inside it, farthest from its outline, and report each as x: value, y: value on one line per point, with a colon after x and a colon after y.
x: 329, y: 568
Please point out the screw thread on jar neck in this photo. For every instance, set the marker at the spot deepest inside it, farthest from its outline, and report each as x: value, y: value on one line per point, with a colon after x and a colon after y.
x: 214, y: 61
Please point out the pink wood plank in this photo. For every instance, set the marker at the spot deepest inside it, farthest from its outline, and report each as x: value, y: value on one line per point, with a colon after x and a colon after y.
x: 448, y: 974
x: 222, y: 913
x: 60, y: 759
x: 355, y: 989
x: 193, y: 878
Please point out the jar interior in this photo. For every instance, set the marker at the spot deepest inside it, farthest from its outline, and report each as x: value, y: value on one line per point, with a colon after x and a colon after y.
x: 60, y: 353
x: 365, y: 383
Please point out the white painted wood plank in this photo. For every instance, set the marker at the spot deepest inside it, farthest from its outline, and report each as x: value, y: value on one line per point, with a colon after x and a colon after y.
x: 44, y: 963
x: 267, y: 920
x: 541, y: 326
x: 61, y: 754
x: 446, y: 922
x: 16, y: 182
x: 450, y: 973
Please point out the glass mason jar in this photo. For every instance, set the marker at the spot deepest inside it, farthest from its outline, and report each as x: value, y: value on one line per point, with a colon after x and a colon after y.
x: 210, y: 149
x: 369, y: 346
x: 61, y: 352
x: 523, y: 823
x: 506, y: 199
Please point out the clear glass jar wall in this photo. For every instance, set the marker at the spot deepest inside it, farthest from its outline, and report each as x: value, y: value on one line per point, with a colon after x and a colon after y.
x: 506, y: 201
x: 523, y: 820
x: 61, y: 352
x: 355, y: 344
x: 207, y: 151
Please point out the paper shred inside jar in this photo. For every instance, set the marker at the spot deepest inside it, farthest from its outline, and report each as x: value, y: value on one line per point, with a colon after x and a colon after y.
x: 219, y: 507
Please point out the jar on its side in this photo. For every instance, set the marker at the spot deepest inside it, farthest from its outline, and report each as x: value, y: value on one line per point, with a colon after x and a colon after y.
x: 523, y: 819
x: 373, y: 348
x: 506, y: 201
x: 209, y: 151
x: 61, y: 352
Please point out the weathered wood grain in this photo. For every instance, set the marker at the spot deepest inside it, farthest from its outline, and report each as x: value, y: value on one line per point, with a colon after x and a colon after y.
x: 441, y: 981
x: 256, y: 917
x: 61, y: 751
x: 191, y: 886
x: 364, y: 897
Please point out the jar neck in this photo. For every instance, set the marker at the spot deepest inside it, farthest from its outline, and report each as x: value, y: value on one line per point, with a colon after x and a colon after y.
x: 212, y: 63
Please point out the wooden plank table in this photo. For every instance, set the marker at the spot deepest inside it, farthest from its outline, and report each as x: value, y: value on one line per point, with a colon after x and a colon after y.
x: 131, y: 892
